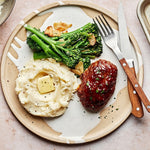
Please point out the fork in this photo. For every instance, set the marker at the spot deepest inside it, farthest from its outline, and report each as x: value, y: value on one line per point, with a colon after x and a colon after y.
x: 110, y: 40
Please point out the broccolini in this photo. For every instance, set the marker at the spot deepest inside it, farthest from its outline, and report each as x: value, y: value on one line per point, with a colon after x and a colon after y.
x: 69, y: 48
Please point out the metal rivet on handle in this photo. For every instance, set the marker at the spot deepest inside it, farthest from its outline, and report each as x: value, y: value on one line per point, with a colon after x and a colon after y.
x: 148, y: 106
x: 137, y: 108
x: 136, y: 85
x: 124, y: 64
x: 134, y: 92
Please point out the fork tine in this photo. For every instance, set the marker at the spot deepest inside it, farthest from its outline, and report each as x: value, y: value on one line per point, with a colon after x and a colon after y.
x: 102, y: 28
x: 107, y: 23
x: 104, y: 24
x: 98, y: 28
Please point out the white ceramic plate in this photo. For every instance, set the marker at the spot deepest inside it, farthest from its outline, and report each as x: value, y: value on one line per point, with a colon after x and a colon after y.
x: 76, y: 125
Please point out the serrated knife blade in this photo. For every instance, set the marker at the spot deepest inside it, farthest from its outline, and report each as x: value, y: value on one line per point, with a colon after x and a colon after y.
x: 125, y: 46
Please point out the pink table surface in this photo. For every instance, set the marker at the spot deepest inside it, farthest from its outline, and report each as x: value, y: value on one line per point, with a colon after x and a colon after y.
x: 133, y: 134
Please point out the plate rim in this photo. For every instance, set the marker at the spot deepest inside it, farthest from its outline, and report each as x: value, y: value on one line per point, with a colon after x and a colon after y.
x: 58, y: 4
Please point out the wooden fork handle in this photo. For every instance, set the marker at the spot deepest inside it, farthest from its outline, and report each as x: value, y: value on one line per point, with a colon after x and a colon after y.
x: 137, y: 108
x: 135, y: 84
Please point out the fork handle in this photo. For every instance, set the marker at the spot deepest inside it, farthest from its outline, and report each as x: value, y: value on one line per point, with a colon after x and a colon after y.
x: 135, y: 84
x: 137, y: 108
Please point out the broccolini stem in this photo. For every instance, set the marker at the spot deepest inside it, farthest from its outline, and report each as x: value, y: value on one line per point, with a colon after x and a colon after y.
x: 83, y: 43
x: 58, y: 51
x: 40, y: 34
x: 89, y: 56
x: 39, y: 55
x: 46, y: 48
x: 77, y: 30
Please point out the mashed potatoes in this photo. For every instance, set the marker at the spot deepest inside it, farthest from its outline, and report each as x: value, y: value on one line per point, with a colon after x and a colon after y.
x: 52, y: 103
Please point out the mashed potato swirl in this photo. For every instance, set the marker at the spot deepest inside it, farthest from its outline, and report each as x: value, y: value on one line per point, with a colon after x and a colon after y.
x: 50, y: 104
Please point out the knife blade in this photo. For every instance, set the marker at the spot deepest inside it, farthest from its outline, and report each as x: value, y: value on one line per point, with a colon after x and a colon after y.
x: 125, y: 46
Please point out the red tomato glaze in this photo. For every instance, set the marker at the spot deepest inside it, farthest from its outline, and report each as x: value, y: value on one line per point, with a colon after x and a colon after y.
x: 98, y: 85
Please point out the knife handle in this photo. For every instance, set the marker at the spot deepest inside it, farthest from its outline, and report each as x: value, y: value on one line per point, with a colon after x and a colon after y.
x: 137, y: 108
x: 135, y: 83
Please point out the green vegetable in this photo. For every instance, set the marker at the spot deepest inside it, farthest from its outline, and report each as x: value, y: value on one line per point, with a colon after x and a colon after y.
x: 90, y: 97
x: 86, y: 62
x: 97, y: 79
x: 97, y: 90
x: 39, y: 55
x: 46, y: 48
x: 70, y: 58
x: 69, y: 48
x: 33, y: 45
x: 87, y: 83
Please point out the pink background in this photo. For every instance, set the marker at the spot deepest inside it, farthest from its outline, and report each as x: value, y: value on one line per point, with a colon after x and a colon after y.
x: 132, y: 135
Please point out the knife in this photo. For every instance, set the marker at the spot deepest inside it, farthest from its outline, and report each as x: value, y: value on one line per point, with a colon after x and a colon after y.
x: 125, y: 46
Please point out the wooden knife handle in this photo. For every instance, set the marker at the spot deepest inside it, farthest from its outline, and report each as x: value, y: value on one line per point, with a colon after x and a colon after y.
x: 135, y: 84
x: 137, y: 108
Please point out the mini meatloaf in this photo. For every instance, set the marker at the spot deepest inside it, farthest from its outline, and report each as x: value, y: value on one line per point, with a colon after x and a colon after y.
x: 98, y: 85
